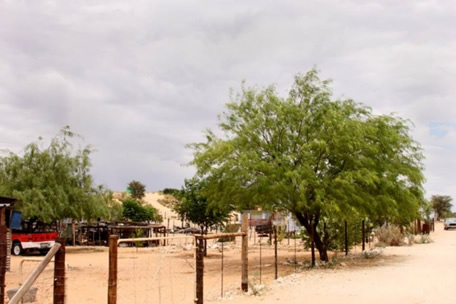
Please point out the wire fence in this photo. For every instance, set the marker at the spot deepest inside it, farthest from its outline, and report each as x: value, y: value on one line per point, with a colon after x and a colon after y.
x: 43, y: 287
x: 223, y: 268
x: 161, y: 275
x: 168, y: 274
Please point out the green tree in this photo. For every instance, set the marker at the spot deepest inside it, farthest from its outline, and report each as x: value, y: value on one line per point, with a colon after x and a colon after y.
x: 441, y: 205
x: 316, y: 157
x: 137, y: 189
x: 136, y: 211
x: 53, y: 182
x: 171, y: 191
x: 196, y: 208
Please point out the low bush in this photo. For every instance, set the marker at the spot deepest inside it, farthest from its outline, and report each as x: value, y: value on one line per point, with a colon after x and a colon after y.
x: 390, y: 235
x: 424, y: 239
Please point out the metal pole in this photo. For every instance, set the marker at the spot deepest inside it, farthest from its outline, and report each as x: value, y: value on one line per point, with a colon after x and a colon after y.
x: 73, y: 232
x: 296, y: 261
x: 312, y: 241
x: 275, y: 254
x: 363, y: 235
x: 346, y: 237
x: 221, y: 283
x: 288, y: 232
x: 59, y: 274
x: 260, y: 260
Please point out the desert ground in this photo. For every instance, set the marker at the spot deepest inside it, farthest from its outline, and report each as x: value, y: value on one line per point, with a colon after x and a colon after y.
x: 409, y: 274
x: 158, y: 274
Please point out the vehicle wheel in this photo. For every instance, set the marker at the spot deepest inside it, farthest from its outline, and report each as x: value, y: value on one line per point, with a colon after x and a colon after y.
x: 16, y: 249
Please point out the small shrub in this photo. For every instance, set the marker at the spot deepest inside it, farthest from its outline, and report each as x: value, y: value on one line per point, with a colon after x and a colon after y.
x: 373, y: 253
x: 424, y: 239
x: 254, y: 287
x: 380, y: 245
x: 410, y: 239
x: 390, y: 236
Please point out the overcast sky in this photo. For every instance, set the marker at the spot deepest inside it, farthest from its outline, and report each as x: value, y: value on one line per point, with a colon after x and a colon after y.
x: 140, y: 79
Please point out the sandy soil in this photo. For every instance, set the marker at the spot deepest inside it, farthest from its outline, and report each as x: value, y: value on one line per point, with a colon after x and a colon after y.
x: 152, y: 198
x: 416, y: 274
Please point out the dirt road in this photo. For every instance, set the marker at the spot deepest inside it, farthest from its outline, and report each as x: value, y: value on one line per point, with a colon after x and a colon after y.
x: 409, y: 274
x: 416, y: 274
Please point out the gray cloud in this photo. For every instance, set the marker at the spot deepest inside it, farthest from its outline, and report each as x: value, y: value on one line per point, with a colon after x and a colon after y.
x: 141, y: 79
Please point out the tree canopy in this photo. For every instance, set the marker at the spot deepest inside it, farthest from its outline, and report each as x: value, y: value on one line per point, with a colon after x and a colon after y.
x: 441, y: 205
x: 54, y: 182
x: 137, y: 189
x: 317, y: 157
x: 134, y: 210
x: 195, y: 207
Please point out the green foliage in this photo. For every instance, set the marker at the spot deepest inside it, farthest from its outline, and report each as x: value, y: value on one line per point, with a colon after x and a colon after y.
x: 314, y: 156
x: 139, y: 233
x: 332, y: 232
x: 195, y: 207
x: 54, y: 182
x: 442, y: 205
x: 137, y: 189
x: 425, y: 211
x: 171, y: 191
x: 135, y: 211
x: 115, y: 211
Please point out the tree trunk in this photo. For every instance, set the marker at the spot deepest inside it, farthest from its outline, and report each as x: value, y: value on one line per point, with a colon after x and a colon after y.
x: 306, y: 220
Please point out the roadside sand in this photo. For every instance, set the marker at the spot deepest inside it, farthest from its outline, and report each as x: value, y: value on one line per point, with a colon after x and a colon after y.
x: 416, y: 274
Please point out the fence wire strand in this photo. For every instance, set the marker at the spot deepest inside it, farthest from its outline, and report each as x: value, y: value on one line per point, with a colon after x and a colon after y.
x: 155, y: 275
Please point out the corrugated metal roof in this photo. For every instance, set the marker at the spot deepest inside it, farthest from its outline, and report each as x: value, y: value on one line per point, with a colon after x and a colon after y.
x: 7, y: 201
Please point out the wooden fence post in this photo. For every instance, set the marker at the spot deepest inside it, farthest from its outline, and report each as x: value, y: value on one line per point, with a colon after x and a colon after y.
x: 59, y: 273
x: 244, y: 253
x: 112, y: 280
x: 199, y: 293
x: 3, y: 258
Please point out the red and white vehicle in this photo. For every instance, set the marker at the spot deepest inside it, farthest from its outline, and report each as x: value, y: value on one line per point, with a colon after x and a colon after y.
x: 33, y: 236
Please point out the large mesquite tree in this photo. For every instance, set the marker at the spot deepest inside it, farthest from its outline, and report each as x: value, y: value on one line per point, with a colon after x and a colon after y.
x: 317, y: 157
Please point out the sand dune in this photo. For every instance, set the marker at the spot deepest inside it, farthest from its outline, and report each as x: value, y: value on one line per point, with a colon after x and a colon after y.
x: 152, y: 198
